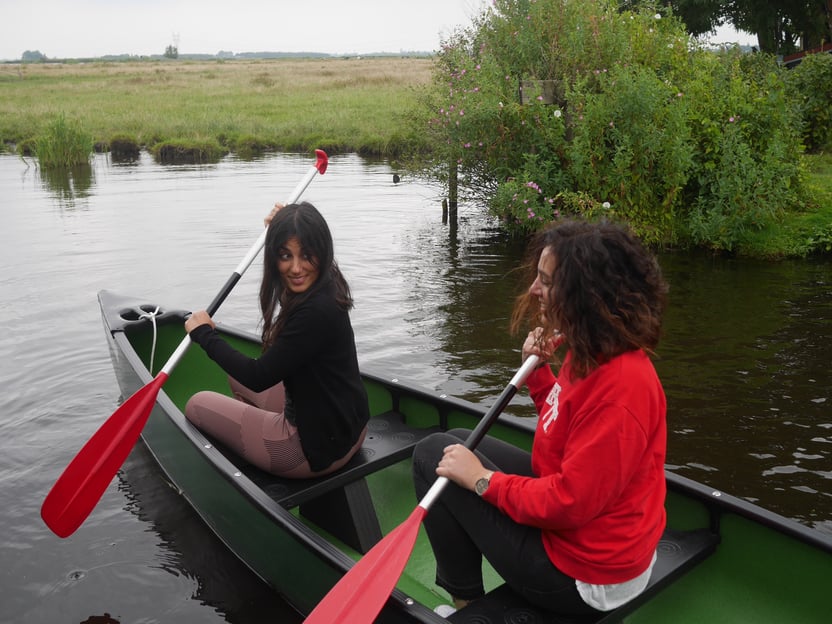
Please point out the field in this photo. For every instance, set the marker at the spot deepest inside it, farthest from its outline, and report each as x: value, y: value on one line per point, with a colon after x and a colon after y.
x: 350, y: 104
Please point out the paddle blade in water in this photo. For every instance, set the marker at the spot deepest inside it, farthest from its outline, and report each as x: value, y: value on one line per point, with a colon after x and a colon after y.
x: 84, y: 480
x: 361, y: 593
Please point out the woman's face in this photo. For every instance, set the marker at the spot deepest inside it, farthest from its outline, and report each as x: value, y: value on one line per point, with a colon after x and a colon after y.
x: 542, y: 285
x: 298, y: 270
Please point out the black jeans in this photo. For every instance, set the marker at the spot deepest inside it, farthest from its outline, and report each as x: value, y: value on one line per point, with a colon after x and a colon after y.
x: 462, y: 528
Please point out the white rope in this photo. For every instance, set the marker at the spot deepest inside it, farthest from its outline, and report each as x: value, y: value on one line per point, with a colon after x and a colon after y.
x: 152, y: 317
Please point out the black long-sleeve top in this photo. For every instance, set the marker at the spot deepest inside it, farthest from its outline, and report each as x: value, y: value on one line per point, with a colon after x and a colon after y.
x: 315, y: 358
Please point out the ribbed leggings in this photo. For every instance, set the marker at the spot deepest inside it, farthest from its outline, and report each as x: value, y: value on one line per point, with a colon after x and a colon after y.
x: 252, y: 424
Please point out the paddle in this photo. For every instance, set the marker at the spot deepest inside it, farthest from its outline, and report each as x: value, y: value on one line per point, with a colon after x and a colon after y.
x: 361, y: 593
x: 80, y: 487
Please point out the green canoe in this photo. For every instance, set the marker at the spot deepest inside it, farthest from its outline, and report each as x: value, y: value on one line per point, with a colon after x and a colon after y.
x: 722, y: 559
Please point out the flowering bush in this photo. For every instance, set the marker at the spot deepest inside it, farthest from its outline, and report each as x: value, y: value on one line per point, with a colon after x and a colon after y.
x: 686, y: 144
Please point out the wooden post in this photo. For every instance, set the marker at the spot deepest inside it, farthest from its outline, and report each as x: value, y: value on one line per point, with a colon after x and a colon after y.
x: 453, y: 186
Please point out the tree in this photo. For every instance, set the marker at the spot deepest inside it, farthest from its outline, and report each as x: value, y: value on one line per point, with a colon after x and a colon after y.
x: 172, y: 52
x: 33, y: 56
x: 700, y: 16
x: 781, y: 26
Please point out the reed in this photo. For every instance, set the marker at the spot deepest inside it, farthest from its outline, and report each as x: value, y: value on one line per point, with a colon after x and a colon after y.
x: 64, y: 143
x: 284, y: 104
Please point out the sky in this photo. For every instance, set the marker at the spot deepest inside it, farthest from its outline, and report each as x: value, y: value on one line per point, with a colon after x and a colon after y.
x: 91, y: 28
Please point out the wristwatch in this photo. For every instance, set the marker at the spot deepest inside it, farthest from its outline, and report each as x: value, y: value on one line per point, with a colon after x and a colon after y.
x: 482, y: 484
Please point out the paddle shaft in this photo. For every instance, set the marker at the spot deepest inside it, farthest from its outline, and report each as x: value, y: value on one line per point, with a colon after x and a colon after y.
x: 476, y: 436
x: 319, y: 167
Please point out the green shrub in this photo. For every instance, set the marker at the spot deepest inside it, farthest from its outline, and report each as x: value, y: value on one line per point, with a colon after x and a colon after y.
x: 631, y: 147
x: 811, y: 87
x: 746, y: 171
x: 63, y: 144
x: 630, y: 116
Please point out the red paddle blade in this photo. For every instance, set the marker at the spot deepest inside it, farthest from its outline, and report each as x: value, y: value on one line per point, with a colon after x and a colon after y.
x: 321, y: 161
x: 361, y: 593
x: 80, y: 487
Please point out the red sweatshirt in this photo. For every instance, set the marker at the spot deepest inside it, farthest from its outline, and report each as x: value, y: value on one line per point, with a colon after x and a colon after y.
x: 598, y: 454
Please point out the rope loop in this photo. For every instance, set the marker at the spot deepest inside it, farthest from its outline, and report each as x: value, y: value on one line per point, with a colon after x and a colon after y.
x: 152, y: 316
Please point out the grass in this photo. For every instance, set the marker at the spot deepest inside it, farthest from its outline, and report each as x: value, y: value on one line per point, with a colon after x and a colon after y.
x: 63, y: 144
x: 805, y: 231
x: 338, y: 105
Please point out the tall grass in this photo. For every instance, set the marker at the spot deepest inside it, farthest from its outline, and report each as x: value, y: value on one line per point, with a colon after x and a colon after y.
x: 63, y: 144
x: 286, y: 104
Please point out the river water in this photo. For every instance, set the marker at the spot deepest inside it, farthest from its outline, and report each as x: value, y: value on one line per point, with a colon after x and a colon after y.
x: 745, y: 360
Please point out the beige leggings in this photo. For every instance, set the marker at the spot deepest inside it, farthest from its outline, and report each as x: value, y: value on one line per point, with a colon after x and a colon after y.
x: 253, y: 426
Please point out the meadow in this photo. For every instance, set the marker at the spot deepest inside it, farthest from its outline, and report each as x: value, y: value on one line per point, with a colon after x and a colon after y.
x: 337, y: 104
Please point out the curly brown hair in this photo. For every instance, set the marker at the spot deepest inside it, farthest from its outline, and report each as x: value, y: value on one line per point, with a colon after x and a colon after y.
x: 607, y: 294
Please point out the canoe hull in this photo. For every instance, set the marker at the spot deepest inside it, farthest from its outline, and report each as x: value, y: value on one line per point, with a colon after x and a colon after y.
x: 745, y: 579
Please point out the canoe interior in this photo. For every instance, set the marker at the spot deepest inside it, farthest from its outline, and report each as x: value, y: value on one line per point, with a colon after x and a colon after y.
x: 766, y: 568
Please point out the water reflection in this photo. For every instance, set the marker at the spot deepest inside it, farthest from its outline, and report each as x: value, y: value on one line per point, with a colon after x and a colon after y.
x: 745, y: 367
x: 188, y: 550
x: 69, y: 184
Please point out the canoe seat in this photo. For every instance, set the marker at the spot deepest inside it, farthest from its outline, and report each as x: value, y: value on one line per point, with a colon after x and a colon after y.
x: 678, y: 552
x: 340, y: 502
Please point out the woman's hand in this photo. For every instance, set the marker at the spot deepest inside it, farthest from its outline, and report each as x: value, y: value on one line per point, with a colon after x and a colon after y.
x: 271, y: 215
x: 196, y: 319
x: 460, y: 465
x: 536, y: 345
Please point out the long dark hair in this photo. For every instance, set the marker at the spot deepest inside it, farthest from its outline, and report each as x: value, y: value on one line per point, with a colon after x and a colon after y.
x: 607, y: 294
x: 303, y: 222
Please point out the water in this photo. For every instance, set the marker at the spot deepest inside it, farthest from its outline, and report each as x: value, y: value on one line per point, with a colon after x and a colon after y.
x: 744, y: 360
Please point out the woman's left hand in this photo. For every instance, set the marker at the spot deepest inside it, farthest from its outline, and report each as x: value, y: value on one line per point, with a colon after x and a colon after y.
x: 196, y: 319
x: 460, y: 465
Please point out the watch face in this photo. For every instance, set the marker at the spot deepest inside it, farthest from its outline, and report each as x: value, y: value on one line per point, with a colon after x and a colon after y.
x: 482, y: 486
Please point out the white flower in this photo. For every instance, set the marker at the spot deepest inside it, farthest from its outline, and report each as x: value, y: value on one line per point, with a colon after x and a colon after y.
x: 605, y: 205
x: 658, y: 16
x: 557, y: 112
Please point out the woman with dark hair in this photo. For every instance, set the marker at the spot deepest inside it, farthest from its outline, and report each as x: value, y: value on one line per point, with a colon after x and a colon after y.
x: 300, y: 409
x: 573, y: 526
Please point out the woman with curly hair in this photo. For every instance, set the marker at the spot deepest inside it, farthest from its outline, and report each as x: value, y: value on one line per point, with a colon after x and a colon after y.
x: 573, y: 526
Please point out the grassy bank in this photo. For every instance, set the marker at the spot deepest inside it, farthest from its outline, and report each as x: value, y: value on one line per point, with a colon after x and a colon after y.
x: 289, y: 105
x: 295, y: 105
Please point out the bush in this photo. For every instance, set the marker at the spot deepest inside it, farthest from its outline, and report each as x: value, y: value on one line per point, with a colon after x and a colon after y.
x: 63, y: 144
x: 631, y: 147
x: 811, y: 88
x: 687, y: 144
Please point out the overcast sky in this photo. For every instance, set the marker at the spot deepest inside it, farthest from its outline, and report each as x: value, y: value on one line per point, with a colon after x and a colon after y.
x: 85, y: 28
x: 89, y: 28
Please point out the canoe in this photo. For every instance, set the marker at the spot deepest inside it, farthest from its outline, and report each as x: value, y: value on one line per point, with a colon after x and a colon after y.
x: 722, y: 559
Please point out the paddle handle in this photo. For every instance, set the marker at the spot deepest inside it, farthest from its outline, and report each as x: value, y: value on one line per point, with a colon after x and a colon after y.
x: 476, y: 436
x: 319, y: 167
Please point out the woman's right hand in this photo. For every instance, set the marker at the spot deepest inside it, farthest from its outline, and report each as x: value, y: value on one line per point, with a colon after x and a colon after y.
x: 271, y: 215
x: 536, y: 345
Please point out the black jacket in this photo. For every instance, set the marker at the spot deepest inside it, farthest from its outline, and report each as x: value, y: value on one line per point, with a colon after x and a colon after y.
x: 315, y: 358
